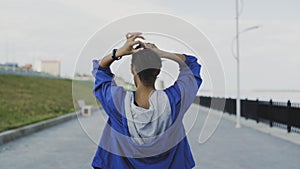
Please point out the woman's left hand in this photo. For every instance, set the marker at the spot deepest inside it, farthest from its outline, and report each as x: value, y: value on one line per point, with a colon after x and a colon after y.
x: 128, y: 47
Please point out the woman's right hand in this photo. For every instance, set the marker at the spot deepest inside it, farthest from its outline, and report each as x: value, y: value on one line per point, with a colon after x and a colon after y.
x: 150, y: 46
x: 164, y: 54
x: 153, y: 47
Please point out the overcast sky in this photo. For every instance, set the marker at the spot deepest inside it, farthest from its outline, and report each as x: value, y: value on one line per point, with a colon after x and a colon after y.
x: 34, y: 30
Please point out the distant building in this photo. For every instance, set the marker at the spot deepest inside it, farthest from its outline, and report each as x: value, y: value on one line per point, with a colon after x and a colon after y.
x: 48, y: 66
x: 27, y: 67
x: 9, y: 66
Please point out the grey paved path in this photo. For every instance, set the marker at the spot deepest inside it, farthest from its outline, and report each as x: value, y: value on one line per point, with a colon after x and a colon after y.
x: 67, y: 146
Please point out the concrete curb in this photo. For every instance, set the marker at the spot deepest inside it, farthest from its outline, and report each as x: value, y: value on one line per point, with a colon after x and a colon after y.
x: 13, y: 134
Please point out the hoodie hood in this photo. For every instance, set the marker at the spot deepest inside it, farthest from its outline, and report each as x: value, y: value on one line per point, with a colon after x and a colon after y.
x: 145, y: 125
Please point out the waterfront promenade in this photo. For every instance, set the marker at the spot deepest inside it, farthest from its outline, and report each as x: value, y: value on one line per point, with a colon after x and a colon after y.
x: 68, y: 146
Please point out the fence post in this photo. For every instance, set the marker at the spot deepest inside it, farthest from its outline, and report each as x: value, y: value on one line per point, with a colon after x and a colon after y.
x: 270, y: 113
x: 288, y: 114
x: 256, y: 110
x: 245, y: 108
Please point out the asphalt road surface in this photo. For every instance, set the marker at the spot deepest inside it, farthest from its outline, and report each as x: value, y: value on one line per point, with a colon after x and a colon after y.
x: 71, y: 145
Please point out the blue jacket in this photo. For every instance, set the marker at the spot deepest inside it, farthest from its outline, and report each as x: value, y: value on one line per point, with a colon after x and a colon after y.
x: 117, y: 150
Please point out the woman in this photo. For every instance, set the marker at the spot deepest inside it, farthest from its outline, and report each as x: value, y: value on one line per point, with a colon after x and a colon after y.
x: 144, y: 129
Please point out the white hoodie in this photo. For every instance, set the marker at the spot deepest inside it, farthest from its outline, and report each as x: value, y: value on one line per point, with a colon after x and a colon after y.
x: 145, y: 125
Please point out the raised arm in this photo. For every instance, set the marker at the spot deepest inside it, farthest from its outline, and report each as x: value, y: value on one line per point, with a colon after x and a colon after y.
x: 106, y: 91
x: 182, y: 93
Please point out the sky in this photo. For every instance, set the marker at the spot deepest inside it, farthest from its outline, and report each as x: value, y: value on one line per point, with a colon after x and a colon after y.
x: 33, y: 30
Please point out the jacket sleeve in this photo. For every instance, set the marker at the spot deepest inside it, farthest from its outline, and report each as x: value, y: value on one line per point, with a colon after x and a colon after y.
x: 107, y: 92
x: 182, y: 93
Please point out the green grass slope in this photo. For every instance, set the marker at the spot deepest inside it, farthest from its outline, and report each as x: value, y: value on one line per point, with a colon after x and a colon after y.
x: 25, y: 100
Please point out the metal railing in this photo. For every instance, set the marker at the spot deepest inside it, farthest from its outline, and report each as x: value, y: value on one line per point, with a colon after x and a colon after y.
x: 280, y: 114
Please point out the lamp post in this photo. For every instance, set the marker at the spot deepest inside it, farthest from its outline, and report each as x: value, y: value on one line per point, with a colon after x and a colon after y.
x: 238, y: 99
x: 237, y: 57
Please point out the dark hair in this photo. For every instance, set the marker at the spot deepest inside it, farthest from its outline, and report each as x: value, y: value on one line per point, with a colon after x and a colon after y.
x: 147, y: 65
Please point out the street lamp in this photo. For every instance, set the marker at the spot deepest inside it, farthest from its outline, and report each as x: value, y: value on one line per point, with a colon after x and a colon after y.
x: 237, y: 57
